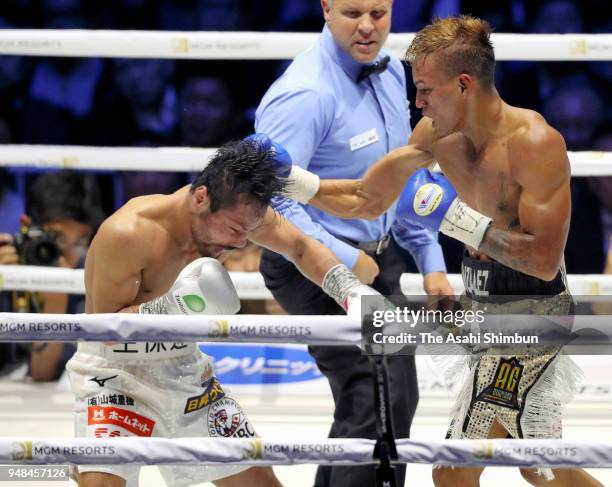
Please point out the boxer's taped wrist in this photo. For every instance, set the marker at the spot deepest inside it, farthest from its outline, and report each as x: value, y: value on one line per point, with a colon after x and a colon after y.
x: 157, y: 306
x: 302, y: 186
x: 338, y: 283
x: 465, y: 224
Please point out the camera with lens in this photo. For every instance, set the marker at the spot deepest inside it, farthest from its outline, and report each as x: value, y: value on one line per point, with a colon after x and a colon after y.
x: 36, y: 246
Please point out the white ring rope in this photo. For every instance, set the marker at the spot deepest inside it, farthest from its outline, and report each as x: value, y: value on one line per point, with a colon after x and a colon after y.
x: 568, y: 330
x: 250, y: 285
x: 106, y: 158
x: 256, y: 451
x: 270, y: 45
x: 584, y: 163
x: 133, y: 327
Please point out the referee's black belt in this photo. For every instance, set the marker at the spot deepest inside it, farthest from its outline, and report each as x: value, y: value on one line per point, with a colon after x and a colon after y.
x: 374, y: 247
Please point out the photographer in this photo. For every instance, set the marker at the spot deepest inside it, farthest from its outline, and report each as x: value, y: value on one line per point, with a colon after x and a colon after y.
x: 63, y: 212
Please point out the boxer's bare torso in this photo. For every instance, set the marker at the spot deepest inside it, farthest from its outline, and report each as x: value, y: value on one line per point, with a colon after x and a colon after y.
x: 139, y: 251
x: 518, y: 175
x: 505, y: 178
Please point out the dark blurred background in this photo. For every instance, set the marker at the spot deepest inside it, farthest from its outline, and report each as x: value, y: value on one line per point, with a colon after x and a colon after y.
x: 155, y: 102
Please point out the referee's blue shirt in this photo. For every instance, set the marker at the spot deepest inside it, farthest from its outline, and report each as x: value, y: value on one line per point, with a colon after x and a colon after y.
x: 338, y: 128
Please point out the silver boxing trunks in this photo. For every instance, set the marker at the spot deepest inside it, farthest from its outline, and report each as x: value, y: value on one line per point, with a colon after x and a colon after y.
x: 526, y: 390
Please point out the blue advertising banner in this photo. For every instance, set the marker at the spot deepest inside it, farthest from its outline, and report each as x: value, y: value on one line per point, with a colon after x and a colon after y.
x: 241, y: 364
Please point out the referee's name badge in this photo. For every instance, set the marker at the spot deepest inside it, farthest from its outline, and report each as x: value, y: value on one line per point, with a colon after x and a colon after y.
x: 364, y: 139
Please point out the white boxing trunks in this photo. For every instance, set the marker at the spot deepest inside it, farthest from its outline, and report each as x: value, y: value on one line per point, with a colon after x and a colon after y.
x: 145, y: 389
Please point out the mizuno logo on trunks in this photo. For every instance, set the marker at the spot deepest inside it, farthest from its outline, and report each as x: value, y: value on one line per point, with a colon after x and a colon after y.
x: 101, y: 382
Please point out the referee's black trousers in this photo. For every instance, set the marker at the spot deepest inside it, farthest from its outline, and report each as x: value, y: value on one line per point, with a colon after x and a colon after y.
x: 348, y: 371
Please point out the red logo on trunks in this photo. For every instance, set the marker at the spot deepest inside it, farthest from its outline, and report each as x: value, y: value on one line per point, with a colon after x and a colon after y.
x: 129, y: 420
x: 103, y: 433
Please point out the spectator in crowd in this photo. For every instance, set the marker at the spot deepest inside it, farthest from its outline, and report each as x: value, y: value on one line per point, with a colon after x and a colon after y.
x: 11, y: 203
x: 222, y: 15
x: 141, y: 109
x: 65, y: 205
x: 62, y: 90
x: 216, y: 15
x: 556, y: 17
x: 602, y: 188
x: 132, y: 14
x: 299, y: 15
x: 507, y: 16
x: 15, y: 73
x: 207, y: 112
x: 138, y: 183
x: 20, y: 12
x: 142, y: 106
x: 527, y: 83
x: 411, y: 16
x: 575, y: 109
x: 602, y: 70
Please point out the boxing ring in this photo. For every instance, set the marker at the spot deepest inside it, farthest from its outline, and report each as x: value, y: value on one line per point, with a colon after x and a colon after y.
x: 590, y: 420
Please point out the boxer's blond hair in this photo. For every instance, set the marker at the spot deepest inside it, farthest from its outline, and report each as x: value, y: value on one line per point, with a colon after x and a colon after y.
x: 463, y: 44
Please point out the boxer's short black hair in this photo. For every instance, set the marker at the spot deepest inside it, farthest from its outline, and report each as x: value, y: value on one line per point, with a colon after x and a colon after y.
x: 240, y: 169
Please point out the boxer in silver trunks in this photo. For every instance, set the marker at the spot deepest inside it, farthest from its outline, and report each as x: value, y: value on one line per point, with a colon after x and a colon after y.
x: 521, y: 392
x: 510, y: 172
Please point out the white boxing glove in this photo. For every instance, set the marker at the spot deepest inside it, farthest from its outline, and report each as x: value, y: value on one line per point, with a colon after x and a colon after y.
x: 202, y: 287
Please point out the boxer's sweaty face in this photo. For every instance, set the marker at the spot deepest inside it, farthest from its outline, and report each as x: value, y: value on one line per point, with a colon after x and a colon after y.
x: 438, y: 95
x: 227, y: 228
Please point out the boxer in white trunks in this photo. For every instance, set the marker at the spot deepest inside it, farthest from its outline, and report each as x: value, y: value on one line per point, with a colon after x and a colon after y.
x: 134, y: 265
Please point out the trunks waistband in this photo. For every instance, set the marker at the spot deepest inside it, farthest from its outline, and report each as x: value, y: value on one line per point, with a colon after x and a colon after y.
x: 126, y: 351
x: 490, y: 278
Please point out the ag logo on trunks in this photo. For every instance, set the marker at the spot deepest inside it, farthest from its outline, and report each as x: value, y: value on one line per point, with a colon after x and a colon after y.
x: 503, y: 391
x: 212, y: 393
x: 226, y: 418
x: 427, y: 199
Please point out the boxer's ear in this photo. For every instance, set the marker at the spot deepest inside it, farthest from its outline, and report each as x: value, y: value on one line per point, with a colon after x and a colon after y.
x: 465, y: 81
x: 201, y: 197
